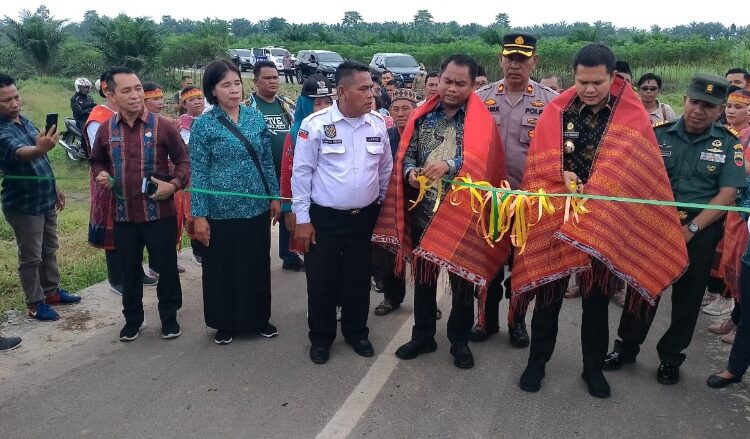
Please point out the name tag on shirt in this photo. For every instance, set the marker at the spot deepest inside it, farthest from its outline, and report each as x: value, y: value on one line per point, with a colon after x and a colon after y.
x: 712, y: 157
x: 373, y: 139
x: 332, y: 141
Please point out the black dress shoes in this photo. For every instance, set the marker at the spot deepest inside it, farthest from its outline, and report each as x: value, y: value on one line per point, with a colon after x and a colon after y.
x: 668, y: 374
x: 414, y: 348
x: 518, y: 336
x: 362, y: 347
x: 479, y: 334
x: 597, y: 384
x: 718, y: 382
x: 319, y: 354
x: 462, y: 357
x: 531, y: 379
x: 615, y: 360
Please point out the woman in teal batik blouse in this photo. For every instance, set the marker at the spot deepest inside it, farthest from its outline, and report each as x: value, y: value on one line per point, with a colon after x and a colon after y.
x: 230, y: 151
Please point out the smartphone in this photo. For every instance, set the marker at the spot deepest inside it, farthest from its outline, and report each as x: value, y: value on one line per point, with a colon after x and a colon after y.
x: 148, y: 187
x: 51, y: 120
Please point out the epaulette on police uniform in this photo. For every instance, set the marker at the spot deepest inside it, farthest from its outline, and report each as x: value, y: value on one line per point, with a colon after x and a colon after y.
x: 484, y: 88
x: 662, y: 123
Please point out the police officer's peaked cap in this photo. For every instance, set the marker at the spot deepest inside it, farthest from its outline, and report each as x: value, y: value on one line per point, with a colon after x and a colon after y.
x: 523, y: 44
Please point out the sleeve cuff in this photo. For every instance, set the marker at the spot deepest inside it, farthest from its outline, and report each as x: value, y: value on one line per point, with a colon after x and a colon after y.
x: 303, y: 217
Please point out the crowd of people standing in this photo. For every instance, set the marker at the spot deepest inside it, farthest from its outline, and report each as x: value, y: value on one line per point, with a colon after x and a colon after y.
x: 338, y: 170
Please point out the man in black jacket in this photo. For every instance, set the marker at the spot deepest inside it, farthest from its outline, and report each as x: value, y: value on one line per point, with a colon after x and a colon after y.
x: 81, y: 103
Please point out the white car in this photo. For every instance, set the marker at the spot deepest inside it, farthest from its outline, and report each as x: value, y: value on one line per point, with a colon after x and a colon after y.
x: 273, y: 54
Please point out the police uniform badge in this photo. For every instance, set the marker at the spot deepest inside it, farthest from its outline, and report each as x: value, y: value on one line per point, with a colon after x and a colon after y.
x: 710, y: 168
x: 500, y: 89
x: 537, y: 104
x: 717, y: 143
x: 737, y: 147
x: 490, y: 102
x: 329, y: 131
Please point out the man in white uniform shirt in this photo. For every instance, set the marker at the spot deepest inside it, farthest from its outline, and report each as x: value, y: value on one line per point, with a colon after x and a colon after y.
x: 342, y: 163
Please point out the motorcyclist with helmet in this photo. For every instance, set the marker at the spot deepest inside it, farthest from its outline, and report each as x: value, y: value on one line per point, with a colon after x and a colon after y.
x: 81, y: 103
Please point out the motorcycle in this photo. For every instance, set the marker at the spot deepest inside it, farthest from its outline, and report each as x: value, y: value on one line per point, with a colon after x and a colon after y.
x: 70, y: 139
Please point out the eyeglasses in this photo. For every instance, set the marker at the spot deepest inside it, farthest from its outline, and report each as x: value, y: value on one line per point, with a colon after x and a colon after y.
x: 649, y: 88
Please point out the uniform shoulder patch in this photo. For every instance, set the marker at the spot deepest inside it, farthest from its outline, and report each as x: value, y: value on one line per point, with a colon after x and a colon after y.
x: 732, y: 131
x: 663, y: 123
x: 486, y: 88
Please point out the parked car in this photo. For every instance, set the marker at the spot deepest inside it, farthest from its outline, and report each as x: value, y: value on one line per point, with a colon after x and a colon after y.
x: 270, y: 53
x: 403, y: 66
x: 310, y: 62
x: 242, y: 58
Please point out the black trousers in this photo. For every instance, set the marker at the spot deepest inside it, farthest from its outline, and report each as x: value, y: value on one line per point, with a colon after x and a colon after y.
x: 384, y: 262
x: 687, y: 295
x: 114, y: 271
x: 425, y: 305
x: 198, y: 248
x: 739, y: 357
x: 594, y: 324
x: 158, y: 237
x: 495, y: 295
x: 289, y: 76
x: 338, y: 271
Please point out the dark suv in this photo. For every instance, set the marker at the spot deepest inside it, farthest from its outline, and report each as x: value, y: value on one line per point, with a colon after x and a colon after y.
x: 310, y: 62
x: 403, y: 66
x: 242, y: 58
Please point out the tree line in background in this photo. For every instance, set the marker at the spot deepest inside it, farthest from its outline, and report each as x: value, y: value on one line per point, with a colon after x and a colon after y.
x: 37, y: 43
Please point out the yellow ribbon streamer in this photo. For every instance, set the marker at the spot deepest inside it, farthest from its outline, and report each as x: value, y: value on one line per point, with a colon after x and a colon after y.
x: 424, y: 185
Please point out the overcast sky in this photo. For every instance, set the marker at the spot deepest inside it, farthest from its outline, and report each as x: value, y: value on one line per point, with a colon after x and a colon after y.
x: 639, y: 13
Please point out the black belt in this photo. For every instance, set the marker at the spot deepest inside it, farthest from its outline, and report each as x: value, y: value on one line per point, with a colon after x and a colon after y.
x: 345, y: 212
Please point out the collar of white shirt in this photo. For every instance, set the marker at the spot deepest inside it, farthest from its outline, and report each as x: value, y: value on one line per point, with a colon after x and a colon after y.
x: 336, y: 116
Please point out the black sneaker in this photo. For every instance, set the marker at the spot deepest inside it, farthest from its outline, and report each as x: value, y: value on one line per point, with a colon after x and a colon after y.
x: 295, y: 264
x: 149, y: 281
x: 9, y: 343
x: 223, y: 337
x: 268, y: 331
x: 170, y: 330
x: 130, y: 332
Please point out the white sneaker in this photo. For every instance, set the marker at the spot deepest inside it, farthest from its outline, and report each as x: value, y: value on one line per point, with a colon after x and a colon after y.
x: 708, y: 298
x: 338, y: 313
x: 719, y: 307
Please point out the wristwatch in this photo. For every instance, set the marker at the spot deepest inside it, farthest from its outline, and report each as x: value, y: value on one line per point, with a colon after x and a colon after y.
x: 693, y: 228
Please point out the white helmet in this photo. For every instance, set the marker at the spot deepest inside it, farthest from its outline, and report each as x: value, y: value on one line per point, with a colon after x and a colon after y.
x: 82, y: 82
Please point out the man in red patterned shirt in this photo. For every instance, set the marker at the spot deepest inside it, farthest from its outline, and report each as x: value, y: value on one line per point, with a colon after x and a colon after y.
x: 131, y: 158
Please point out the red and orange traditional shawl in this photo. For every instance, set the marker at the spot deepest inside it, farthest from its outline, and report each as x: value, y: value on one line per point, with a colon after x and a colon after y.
x: 102, y: 209
x: 451, y: 240
x: 642, y: 244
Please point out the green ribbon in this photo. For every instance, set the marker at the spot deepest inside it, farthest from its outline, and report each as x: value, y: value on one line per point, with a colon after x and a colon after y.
x: 678, y: 204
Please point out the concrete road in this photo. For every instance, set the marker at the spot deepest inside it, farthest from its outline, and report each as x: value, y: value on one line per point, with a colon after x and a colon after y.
x: 73, y: 379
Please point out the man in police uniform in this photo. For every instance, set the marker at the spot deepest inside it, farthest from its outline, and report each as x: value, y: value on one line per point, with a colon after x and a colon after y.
x: 516, y: 102
x: 342, y: 164
x: 705, y: 164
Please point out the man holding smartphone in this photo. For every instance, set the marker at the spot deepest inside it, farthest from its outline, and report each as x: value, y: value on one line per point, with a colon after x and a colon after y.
x: 30, y: 203
x: 131, y: 146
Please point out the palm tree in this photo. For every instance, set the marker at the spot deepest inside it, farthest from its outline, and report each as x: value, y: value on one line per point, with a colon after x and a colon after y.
x: 38, y: 35
x: 130, y: 42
